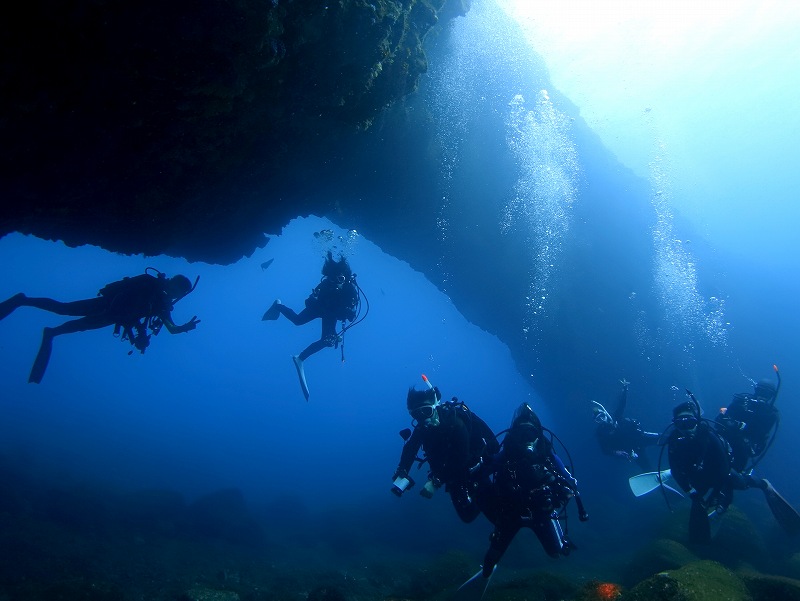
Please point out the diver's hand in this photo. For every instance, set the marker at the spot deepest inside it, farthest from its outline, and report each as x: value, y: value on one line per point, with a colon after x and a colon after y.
x: 190, y: 325
x: 428, y: 490
x: 400, y: 473
x: 624, y: 383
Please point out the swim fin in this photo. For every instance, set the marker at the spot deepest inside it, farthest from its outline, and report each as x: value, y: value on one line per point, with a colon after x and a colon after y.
x: 298, y: 365
x: 649, y: 481
x: 784, y: 513
x: 42, y: 358
x: 273, y: 312
x: 475, y: 588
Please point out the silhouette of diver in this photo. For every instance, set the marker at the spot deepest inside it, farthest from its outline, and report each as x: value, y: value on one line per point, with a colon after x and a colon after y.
x: 621, y: 436
x: 132, y: 305
x: 335, y: 298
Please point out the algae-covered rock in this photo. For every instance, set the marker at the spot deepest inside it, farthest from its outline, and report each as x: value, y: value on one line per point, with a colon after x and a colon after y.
x: 699, y: 581
x: 768, y: 588
x: 659, y: 555
x: 786, y: 565
x: 738, y: 540
x: 536, y: 586
x: 438, y: 579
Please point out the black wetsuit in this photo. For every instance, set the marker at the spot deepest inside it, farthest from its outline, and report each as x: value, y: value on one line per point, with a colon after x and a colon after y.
x: 331, y: 301
x: 748, y: 425
x: 458, y: 444
x: 625, y: 437
x: 701, y: 462
x: 530, y: 488
x: 128, y: 304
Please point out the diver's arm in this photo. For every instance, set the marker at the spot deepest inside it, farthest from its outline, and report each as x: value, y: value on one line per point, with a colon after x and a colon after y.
x: 176, y: 329
x: 563, y: 472
x: 485, y: 433
x: 410, y: 450
x: 649, y: 438
x: 622, y: 401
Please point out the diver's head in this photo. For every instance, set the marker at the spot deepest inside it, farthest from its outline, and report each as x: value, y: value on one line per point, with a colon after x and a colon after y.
x: 178, y: 286
x: 765, y: 390
x: 525, y: 417
x: 421, y: 405
x: 336, y: 270
x: 525, y: 435
x: 686, y: 417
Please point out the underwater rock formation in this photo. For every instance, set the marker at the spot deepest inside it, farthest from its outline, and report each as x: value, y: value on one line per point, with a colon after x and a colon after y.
x: 700, y: 581
x: 192, y: 130
x: 145, y: 127
x: 657, y: 556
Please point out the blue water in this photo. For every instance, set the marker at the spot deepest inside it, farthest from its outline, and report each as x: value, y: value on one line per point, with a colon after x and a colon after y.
x: 220, y: 407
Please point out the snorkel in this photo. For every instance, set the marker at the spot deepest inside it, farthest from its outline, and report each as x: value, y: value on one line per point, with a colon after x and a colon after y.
x: 778, y: 388
x: 197, y: 279
x: 694, y: 400
x: 436, y: 394
x: 163, y: 276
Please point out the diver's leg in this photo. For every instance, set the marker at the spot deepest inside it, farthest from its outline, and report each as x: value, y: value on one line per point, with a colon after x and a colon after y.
x: 8, y: 306
x: 465, y: 504
x: 46, y: 348
x: 327, y: 338
x: 313, y: 348
x: 298, y: 319
x: 622, y: 402
x: 549, y: 533
x: 499, y: 541
x: 89, y: 306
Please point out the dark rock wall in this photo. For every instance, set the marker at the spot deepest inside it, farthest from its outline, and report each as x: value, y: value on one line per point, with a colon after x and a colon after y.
x: 191, y: 129
x: 147, y: 126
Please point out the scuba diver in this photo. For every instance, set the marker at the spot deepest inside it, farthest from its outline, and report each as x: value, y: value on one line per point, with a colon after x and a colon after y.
x: 455, y: 443
x: 336, y: 298
x: 701, y: 463
x: 531, y: 490
x: 136, y: 306
x: 750, y: 422
x: 622, y: 436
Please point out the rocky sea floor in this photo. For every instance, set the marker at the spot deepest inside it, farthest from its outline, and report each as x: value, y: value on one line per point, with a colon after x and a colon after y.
x: 60, y: 544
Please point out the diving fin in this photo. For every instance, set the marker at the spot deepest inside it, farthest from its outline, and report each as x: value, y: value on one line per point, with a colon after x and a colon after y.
x: 273, y: 312
x: 649, y: 481
x: 699, y: 523
x: 301, y: 374
x: 475, y: 588
x: 784, y: 513
x: 42, y: 358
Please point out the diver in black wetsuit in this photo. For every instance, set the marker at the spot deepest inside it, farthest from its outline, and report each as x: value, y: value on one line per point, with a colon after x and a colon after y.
x: 531, y: 489
x: 622, y: 436
x: 133, y: 305
x: 455, y: 442
x: 749, y: 423
x: 334, y: 299
x: 700, y: 462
